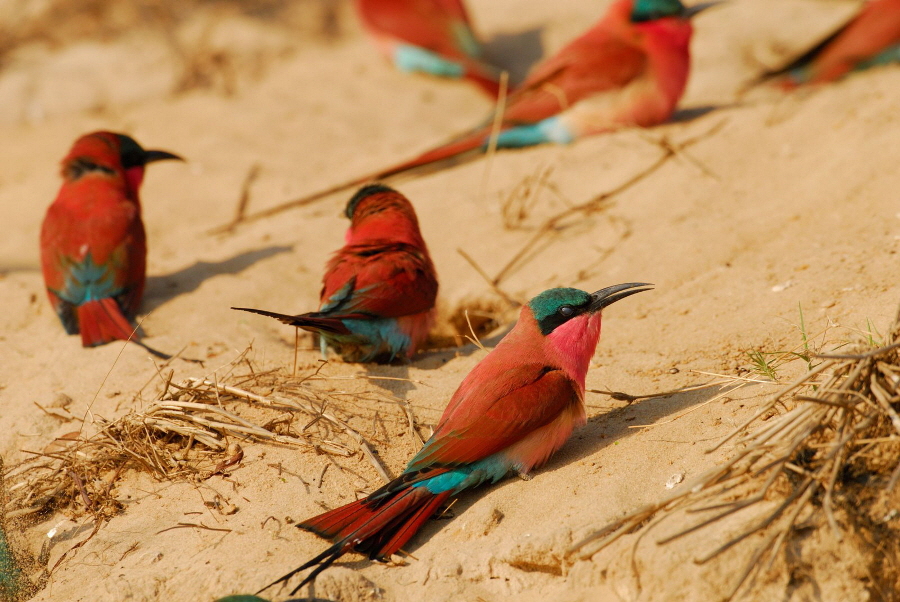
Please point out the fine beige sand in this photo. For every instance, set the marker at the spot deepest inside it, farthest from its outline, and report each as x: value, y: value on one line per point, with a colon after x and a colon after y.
x: 769, y: 206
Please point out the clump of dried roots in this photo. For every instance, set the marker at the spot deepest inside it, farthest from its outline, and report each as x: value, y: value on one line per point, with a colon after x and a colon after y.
x: 191, y: 432
x: 831, y: 462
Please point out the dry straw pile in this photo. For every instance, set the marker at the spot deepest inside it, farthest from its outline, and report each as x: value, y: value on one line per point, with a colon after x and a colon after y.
x: 194, y: 430
x: 822, y: 454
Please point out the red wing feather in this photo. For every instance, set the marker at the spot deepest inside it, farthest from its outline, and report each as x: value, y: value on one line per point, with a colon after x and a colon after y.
x: 426, y: 24
x: 482, y: 421
x: 875, y: 28
x: 586, y: 66
x: 392, y: 280
x: 456, y: 9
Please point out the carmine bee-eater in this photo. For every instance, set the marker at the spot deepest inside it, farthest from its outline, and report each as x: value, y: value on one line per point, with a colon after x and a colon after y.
x: 630, y: 69
x: 93, y: 246
x: 428, y: 36
x: 870, y: 38
x: 510, y: 414
x: 379, y: 290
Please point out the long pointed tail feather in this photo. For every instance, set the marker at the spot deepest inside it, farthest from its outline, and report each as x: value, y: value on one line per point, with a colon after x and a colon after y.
x: 310, y: 322
x: 376, y: 530
x: 473, y: 144
x: 412, y: 525
x: 321, y: 562
x: 365, y: 525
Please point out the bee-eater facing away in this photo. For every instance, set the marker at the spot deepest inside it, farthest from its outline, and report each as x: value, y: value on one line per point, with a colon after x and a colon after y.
x: 93, y: 245
x: 428, y: 36
x: 630, y: 69
x: 870, y: 38
x: 512, y: 411
x: 379, y: 290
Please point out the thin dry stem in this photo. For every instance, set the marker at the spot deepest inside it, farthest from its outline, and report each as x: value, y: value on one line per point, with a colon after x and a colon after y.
x: 803, y: 455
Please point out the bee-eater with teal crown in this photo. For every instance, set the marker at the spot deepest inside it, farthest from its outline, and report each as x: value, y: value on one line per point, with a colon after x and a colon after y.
x: 869, y: 39
x: 93, y: 245
x: 379, y: 290
x: 630, y: 69
x: 428, y: 36
x: 510, y: 414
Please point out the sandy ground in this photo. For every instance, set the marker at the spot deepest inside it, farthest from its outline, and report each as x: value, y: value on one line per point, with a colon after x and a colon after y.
x: 773, y: 205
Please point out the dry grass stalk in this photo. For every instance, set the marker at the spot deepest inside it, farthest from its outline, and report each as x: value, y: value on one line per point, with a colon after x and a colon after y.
x: 190, y: 432
x: 244, y: 198
x: 552, y: 224
x: 499, y: 112
x: 500, y: 292
x: 837, y: 450
x: 521, y: 200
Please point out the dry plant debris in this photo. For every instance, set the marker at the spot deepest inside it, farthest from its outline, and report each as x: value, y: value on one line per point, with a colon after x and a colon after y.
x: 831, y: 462
x: 553, y: 224
x: 194, y: 430
x: 204, y: 64
x: 520, y: 202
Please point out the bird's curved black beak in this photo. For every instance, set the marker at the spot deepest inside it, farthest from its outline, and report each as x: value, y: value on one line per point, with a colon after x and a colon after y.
x: 159, y: 155
x: 693, y: 11
x: 611, y: 294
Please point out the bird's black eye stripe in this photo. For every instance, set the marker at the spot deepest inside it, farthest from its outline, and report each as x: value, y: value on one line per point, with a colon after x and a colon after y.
x: 562, y: 315
x: 80, y: 166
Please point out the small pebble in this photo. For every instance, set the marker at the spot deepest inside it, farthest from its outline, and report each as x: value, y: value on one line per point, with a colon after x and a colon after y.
x: 674, y: 480
x: 780, y: 287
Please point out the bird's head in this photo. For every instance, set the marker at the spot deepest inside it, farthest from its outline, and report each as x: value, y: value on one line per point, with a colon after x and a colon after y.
x: 650, y: 10
x: 569, y: 319
x: 558, y: 306
x: 378, y: 212
x: 111, y: 155
x: 376, y: 198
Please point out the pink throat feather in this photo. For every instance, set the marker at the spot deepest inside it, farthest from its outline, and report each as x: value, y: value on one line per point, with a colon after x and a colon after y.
x: 573, y: 344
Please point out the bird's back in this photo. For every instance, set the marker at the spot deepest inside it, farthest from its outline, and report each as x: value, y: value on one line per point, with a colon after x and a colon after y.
x: 93, y: 230
x: 386, y: 279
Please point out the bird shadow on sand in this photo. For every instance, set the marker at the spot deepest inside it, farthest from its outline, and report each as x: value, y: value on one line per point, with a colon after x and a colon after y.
x: 601, y: 430
x: 10, y: 268
x: 515, y: 53
x: 607, y: 428
x: 689, y: 114
x: 393, y: 378
x: 161, y: 289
